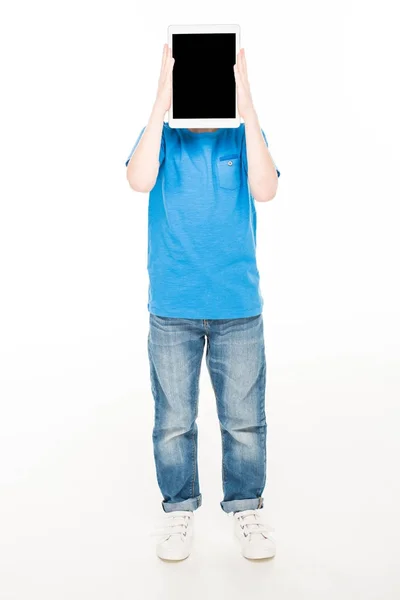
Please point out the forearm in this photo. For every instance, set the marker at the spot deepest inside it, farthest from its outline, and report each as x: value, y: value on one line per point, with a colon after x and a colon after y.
x: 263, y: 179
x: 142, y: 169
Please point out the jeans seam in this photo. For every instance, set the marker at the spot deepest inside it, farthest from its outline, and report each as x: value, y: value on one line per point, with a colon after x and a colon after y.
x: 193, y: 440
x: 223, y: 457
x: 222, y: 433
x: 222, y: 440
x: 263, y: 416
x: 193, y: 461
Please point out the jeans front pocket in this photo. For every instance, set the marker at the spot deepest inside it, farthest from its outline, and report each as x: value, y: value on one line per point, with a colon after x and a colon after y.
x: 229, y: 171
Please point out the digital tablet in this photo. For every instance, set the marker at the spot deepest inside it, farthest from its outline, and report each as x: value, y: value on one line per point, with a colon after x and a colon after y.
x: 203, y: 80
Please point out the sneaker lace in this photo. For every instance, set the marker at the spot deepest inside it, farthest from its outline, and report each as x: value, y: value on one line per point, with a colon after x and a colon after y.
x: 174, y: 524
x: 251, y: 523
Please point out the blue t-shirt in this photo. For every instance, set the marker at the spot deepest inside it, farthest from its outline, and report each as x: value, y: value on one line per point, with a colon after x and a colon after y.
x: 202, y: 227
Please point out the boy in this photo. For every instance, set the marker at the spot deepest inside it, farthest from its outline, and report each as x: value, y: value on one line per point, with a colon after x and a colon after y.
x: 204, y: 284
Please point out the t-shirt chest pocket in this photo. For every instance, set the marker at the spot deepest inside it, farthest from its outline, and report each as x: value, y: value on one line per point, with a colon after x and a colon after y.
x: 228, y: 171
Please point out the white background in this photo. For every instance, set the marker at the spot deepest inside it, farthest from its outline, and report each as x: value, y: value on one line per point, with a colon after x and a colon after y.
x: 77, y: 483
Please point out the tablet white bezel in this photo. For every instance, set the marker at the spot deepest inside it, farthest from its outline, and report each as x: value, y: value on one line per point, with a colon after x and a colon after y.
x: 204, y: 123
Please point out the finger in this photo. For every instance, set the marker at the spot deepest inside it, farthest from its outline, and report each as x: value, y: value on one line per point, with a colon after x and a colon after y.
x: 242, y: 66
x: 243, y: 74
x: 164, y: 57
x: 167, y: 79
x: 238, y: 77
x: 239, y: 74
x: 244, y: 63
x: 167, y: 66
x: 170, y: 63
x: 238, y: 58
x: 169, y: 59
x: 239, y: 62
x: 162, y: 70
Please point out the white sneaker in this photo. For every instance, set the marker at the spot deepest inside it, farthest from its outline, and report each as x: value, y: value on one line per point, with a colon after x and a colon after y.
x: 177, y: 535
x: 253, y: 534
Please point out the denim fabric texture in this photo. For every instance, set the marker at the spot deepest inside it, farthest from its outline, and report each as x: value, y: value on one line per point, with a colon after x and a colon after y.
x: 235, y: 359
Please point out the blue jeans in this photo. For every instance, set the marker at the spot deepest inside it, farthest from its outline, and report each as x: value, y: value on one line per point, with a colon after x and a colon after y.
x: 235, y: 359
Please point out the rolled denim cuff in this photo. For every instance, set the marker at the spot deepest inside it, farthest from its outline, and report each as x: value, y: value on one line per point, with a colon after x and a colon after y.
x: 246, y: 504
x: 189, y: 504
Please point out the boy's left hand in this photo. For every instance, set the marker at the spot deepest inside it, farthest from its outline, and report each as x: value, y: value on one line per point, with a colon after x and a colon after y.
x: 244, y: 99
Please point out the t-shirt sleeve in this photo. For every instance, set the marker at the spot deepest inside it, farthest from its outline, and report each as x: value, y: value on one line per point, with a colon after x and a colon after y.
x: 244, y: 153
x: 162, y: 147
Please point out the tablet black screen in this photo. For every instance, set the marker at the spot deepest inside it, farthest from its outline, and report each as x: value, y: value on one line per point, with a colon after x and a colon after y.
x: 203, y: 78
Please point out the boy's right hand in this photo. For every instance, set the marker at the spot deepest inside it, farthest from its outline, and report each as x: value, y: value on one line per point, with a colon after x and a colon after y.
x: 164, y: 91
